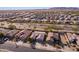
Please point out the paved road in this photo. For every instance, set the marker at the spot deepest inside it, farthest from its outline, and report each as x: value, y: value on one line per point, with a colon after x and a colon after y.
x: 11, y: 47
x: 7, y: 47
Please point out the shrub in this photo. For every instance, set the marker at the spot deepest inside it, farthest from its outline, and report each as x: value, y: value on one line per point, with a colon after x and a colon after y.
x: 1, y: 35
x: 11, y: 27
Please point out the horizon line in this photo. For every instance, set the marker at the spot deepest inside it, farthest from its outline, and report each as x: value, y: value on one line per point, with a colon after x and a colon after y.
x: 30, y: 8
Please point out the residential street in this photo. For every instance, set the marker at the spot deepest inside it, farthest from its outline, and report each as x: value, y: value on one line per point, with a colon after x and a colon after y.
x: 11, y: 47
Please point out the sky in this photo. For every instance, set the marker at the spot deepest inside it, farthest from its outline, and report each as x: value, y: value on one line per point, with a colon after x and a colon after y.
x: 22, y: 8
x: 37, y: 3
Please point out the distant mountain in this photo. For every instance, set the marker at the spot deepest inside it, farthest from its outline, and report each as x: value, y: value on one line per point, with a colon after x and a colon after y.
x: 64, y: 8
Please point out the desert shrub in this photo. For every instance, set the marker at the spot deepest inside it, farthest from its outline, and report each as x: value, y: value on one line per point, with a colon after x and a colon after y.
x: 11, y: 27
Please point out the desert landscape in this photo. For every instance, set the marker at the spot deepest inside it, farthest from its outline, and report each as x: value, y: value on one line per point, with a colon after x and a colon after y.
x: 54, y: 29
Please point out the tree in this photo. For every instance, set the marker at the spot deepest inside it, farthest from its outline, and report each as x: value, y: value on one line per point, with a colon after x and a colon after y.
x: 1, y: 35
